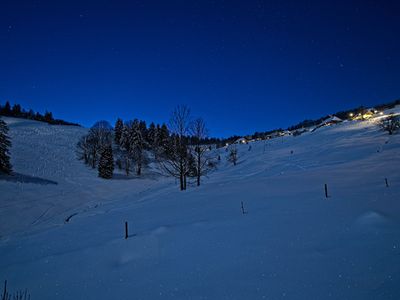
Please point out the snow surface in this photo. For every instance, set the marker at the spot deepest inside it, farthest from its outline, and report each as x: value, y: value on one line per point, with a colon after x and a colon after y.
x: 292, y: 243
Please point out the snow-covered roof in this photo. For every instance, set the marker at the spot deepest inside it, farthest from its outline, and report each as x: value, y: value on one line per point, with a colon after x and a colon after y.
x: 332, y: 119
x: 240, y: 140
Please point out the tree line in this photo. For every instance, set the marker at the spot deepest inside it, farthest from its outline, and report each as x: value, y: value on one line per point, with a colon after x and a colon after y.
x: 178, y: 149
x: 16, y: 111
x: 182, y: 148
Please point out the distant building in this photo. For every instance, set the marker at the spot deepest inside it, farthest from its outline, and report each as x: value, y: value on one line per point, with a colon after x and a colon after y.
x: 332, y: 120
x: 241, y: 141
x: 366, y: 114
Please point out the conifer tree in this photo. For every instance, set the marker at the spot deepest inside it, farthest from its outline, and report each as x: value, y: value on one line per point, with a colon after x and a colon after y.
x: 6, y: 110
x: 5, y: 144
x: 151, y: 135
x: 139, y: 131
x: 133, y: 143
x: 106, y: 163
x: 16, y: 110
x: 163, y: 136
x: 119, y: 126
x: 143, y: 130
x: 38, y: 117
x: 48, y: 117
x: 125, y: 143
x: 31, y: 114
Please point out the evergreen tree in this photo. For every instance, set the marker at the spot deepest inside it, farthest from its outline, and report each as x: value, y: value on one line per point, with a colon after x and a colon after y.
x: 5, y: 144
x: 151, y: 135
x: 163, y: 136
x: 106, y: 163
x: 143, y: 130
x: 138, y: 145
x: 31, y: 114
x: 6, y: 110
x: 125, y: 143
x: 119, y: 126
x: 39, y: 117
x: 133, y: 143
x: 16, y: 110
x: 48, y: 117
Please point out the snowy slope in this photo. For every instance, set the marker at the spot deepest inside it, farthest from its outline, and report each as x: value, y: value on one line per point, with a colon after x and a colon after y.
x: 50, y: 183
x: 293, y: 243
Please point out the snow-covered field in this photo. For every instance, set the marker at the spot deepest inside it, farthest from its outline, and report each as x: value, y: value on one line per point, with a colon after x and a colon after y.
x: 292, y: 243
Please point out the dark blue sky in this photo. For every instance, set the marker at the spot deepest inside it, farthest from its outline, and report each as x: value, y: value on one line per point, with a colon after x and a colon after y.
x: 244, y: 66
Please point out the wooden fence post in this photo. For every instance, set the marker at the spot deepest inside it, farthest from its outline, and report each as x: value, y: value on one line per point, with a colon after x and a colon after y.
x: 126, y: 230
x: 243, y: 211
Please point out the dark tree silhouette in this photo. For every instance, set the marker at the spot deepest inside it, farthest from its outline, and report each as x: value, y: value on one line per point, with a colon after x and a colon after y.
x: 199, y: 133
x: 106, y: 163
x: 119, y: 126
x: 174, y: 155
x: 5, y: 144
x: 233, y: 154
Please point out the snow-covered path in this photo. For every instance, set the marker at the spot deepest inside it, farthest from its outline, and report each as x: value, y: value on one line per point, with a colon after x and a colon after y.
x: 293, y: 243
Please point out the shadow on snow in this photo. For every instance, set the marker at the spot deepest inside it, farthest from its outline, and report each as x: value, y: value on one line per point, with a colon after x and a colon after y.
x: 22, y: 178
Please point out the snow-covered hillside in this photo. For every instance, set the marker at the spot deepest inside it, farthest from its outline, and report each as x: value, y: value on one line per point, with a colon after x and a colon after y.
x: 293, y: 243
x: 50, y: 183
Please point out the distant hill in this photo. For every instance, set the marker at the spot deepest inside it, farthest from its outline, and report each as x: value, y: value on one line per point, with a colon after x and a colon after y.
x: 17, y: 111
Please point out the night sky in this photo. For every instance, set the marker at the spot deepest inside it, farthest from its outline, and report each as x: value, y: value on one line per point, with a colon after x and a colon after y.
x: 244, y: 66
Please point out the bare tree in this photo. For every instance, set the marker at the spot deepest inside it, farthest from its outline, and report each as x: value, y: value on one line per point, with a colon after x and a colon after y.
x: 83, y: 149
x: 91, y: 145
x: 180, y: 121
x: 174, y: 155
x: 233, y: 154
x: 202, y: 163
